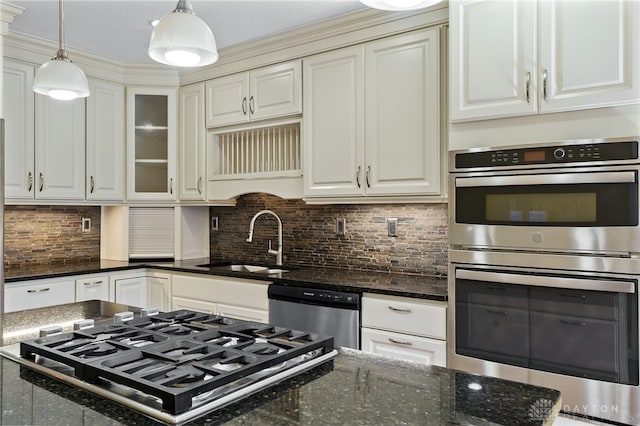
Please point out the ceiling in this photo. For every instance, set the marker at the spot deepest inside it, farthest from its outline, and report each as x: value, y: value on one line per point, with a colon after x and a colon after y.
x: 120, y: 30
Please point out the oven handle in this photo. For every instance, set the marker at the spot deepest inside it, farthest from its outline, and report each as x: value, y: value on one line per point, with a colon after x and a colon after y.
x: 546, y: 281
x: 548, y: 179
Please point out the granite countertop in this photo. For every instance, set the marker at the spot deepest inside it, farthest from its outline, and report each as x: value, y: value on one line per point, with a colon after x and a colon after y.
x: 353, y: 389
x: 337, y: 279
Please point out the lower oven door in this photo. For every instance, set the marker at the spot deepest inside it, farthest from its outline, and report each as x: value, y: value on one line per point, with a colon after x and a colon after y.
x: 571, y: 330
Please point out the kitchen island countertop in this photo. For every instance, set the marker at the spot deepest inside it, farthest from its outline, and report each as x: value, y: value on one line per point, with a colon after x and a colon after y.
x: 353, y: 389
x: 327, y: 278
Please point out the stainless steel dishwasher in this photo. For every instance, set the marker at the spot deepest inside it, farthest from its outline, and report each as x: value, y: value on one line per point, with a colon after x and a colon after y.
x: 324, y: 312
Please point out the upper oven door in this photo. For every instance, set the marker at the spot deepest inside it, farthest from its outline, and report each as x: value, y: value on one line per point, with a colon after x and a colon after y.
x: 578, y: 210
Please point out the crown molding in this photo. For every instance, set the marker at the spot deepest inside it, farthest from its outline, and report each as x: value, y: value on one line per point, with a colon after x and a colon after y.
x: 7, y: 14
x: 334, y: 33
x: 37, y: 51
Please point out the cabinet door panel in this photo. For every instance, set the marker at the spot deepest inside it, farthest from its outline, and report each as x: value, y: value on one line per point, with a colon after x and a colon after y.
x: 193, y: 305
x: 492, y: 59
x: 60, y: 148
x: 227, y: 100
x: 191, y: 142
x: 159, y: 293
x: 18, y: 109
x: 587, y: 68
x: 402, y: 115
x: 275, y: 91
x: 132, y: 291
x: 105, y: 141
x: 334, y: 123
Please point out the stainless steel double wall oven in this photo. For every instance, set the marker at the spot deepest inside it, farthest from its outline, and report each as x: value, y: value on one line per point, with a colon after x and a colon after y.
x: 544, y: 269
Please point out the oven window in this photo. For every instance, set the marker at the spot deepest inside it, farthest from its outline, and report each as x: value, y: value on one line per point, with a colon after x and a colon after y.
x: 582, y: 333
x: 599, y: 204
x: 555, y: 208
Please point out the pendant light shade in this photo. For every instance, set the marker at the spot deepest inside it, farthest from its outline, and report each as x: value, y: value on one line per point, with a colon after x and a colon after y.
x: 399, y: 4
x: 182, y: 39
x: 60, y: 78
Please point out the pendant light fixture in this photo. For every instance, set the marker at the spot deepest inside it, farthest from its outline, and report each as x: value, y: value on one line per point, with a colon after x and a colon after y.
x: 60, y: 78
x: 182, y: 39
x: 399, y: 4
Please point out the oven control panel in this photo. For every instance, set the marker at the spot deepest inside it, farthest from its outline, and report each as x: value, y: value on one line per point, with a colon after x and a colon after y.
x: 549, y: 155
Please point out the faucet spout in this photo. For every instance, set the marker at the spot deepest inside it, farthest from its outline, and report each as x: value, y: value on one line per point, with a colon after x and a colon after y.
x: 278, y: 252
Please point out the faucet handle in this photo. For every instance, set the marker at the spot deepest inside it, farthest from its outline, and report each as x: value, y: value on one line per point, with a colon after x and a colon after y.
x: 271, y: 251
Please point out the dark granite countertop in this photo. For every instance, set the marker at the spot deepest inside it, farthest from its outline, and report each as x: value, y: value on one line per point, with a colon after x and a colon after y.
x: 337, y: 279
x: 353, y: 389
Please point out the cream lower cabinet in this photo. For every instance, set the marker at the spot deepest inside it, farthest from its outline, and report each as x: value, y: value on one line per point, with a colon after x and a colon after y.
x: 92, y: 287
x: 372, y: 119
x: 233, y: 297
x: 34, y: 294
x: 143, y: 290
x: 405, y: 328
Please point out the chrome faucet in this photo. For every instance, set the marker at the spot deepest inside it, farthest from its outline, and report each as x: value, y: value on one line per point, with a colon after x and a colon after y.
x: 278, y: 252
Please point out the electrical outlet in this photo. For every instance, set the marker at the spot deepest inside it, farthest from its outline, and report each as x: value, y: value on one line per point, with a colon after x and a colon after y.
x: 214, y: 223
x: 341, y: 226
x: 86, y: 224
x: 392, y: 226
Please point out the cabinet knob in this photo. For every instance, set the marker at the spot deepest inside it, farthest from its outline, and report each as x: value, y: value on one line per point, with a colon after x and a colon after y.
x: 199, y: 183
x: 29, y: 181
x: 527, y: 86
x: 545, y: 75
x: 358, y: 176
x: 367, y: 176
x: 93, y: 184
x: 244, y: 105
x: 41, y: 178
x: 251, y: 110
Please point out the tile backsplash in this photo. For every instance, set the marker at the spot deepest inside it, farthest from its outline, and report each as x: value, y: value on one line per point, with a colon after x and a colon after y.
x: 39, y: 235
x: 310, y: 235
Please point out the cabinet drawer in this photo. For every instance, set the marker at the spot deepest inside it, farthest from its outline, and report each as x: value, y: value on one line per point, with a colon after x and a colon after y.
x: 19, y: 297
x: 405, y: 315
x: 92, y: 288
x: 405, y: 347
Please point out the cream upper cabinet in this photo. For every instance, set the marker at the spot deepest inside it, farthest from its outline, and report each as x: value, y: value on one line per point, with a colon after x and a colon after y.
x: 151, y: 143
x: 497, y: 71
x: 60, y: 149
x: 45, y: 140
x: 268, y: 92
x: 18, y: 108
x: 372, y: 122
x: 191, y: 143
x: 105, y: 141
x: 589, y: 54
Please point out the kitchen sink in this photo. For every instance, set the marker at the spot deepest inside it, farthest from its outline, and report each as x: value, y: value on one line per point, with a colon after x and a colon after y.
x: 242, y: 267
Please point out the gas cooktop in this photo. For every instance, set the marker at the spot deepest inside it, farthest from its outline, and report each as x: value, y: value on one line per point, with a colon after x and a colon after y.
x: 174, y: 366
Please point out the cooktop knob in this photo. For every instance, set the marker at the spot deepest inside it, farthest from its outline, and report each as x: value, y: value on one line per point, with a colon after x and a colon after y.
x: 559, y: 153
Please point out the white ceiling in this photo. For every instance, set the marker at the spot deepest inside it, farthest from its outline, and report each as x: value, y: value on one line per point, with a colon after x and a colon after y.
x: 120, y: 30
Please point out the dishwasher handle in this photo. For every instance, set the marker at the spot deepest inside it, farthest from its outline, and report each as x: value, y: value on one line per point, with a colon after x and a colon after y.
x: 313, y: 296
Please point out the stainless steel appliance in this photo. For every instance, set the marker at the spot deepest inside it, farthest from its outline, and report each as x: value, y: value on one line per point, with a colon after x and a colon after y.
x: 544, y: 270
x: 324, y: 312
x: 176, y: 366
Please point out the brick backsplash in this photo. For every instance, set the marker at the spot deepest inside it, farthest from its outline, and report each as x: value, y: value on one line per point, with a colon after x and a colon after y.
x: 310, y: 237
x: 37, y: 235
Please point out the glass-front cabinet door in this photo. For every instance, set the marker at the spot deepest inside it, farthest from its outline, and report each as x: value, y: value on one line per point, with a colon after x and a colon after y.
x: 151, y: 143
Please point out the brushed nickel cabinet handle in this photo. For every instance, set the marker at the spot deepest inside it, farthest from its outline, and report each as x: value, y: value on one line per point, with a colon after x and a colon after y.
x: 92, y: 283
x: 358, y: 176
x: 199, y: 183
x: 251, y: 110
x: 396, y: 309
x: 244, y: 105
x: 526, y: 88
x: 29, y: 182
x: 41, y: 290
x: 41, y: 177
x: 93, y: 184
x: 399, y: 342
x: 367, y: 176
x: 545, y: 75
x: 171, y: 186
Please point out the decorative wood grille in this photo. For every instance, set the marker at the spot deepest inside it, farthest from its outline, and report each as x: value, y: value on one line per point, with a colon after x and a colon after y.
x: 258, y: 152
